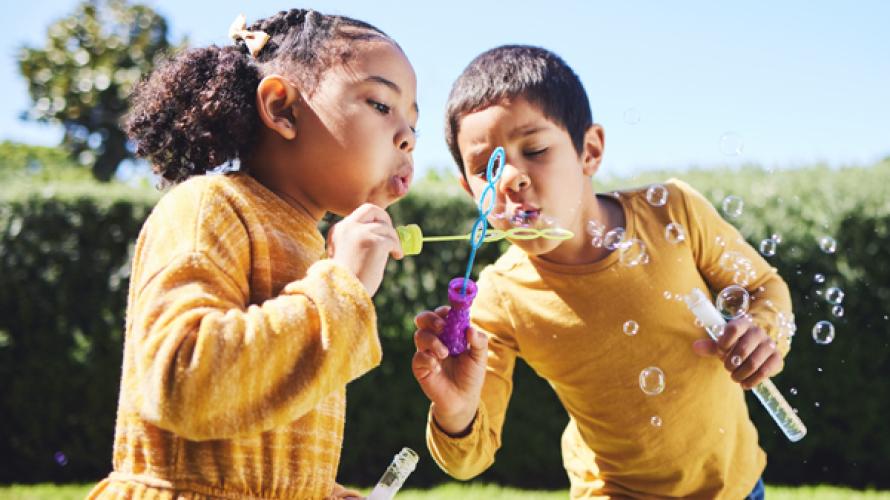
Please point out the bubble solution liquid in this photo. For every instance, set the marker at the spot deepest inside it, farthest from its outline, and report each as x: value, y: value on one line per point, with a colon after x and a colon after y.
x: 766, y: 391
x: 402, y: 465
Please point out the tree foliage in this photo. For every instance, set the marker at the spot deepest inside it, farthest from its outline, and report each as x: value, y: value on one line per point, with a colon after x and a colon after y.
x: 83, y: 75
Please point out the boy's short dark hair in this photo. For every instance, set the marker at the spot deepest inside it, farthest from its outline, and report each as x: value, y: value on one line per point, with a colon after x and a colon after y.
x: 511, y: 71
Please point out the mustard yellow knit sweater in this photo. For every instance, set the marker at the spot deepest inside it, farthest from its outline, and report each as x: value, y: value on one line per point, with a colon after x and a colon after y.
x: 239, y: 344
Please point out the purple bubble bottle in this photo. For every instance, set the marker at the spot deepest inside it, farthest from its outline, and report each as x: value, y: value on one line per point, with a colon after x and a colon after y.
x: 454, y: 336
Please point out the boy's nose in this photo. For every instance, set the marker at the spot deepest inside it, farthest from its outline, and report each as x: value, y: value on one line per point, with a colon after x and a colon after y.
x: 513, y: 179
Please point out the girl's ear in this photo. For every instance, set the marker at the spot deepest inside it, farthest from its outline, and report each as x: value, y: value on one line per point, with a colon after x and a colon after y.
x: 275, y: 99
x: 592, y: 154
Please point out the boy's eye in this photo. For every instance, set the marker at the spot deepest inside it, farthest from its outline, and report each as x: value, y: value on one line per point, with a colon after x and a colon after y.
x: 379, y: 106
x: 535, y: 152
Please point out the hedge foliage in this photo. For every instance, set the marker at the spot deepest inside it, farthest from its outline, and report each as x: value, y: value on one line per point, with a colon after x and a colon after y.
x: 64, y: 251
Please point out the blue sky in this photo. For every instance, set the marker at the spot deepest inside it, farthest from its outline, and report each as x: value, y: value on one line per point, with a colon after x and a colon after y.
x: 675, y: 84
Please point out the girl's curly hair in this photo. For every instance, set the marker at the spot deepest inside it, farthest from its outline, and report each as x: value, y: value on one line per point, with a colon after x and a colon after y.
x: 197, y: 111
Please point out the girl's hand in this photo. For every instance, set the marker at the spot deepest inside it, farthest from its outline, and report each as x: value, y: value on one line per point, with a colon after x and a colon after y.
x: 748, y: 353
x: 339, y: 492
x: 453, y: 384
x: 362, y: 242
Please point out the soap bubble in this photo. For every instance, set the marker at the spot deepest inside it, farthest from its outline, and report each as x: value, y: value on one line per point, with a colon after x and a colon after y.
x: 793, y: 391
x: 777, y: 238
x: 60, y: 458
x: 521, y: 219
x: 596, y: 230
x: 768, y: 247
x: 668, y: 295
x: 827, y: 244
x: 733, y: 302
x: 657, y: 195
x: 834, y: 295
x: 631, y: 327
x: 731, y: 144
x: 655, y: 421
x: 613, y: 238
x: 674, y: 233
x: 819, y: 278
x: 652, y: 381
x: 823, y: 332
x: 838, y: 311
x: 733, y: 206
x: 632, y: 253
x: 736, y: 360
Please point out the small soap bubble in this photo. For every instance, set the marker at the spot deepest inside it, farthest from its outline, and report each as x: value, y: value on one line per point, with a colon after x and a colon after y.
x: 596, y: 230
x: 520, y: 219
x: 632, y: 253
x: 834, y: 295
x: 793, y: 391
x: 733, y: 302
x: 668, y: 295
x: 613, y: 238
x: 819, y: 278
x: 736, y: 360
x: 657, y: 195
x: 823, y: 332
x: 631, y: 116
x: 674, y: 233
x: 777, y: 238
x: 817, y: 404
x: 838, y: 311
x: 631, y: 327
x: 731, y: 144
x: 655, y: 421
x: 652, y: 380
x: 698, y: 323
x: 733, y: 206
x: 827, y: 244
x: 60, y: 458
x: 768, y: 247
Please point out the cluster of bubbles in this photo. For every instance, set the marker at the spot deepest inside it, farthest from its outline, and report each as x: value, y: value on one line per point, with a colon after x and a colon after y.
x: 631, y: 251
x: 740, y: 266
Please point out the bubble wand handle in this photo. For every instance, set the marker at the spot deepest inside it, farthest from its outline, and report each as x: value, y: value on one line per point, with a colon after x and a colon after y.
x: 402, y: 465
x: 457, y: 321
x: 766, y: 391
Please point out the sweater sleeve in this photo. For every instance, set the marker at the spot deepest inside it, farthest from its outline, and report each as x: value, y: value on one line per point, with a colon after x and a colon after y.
x: 724, y: 258
x: 469, y: 455
x: 210, y: 365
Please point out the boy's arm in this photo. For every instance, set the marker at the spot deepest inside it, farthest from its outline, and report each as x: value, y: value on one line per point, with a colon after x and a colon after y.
x: 724, y: 258
x: 470, y: 452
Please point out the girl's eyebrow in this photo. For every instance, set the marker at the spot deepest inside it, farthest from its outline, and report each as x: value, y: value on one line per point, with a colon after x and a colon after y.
x: 391, y: 84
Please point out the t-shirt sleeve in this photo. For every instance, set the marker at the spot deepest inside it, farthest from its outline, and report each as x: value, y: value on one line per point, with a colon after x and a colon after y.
x: 724, y: 258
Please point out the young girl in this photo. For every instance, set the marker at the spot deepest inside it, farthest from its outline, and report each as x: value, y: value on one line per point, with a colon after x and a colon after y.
x: 240, y: 337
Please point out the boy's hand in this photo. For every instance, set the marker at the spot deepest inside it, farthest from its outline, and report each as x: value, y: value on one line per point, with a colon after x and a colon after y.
x: 453, y: 384
x: 747, y: 352
x: 362, y: 241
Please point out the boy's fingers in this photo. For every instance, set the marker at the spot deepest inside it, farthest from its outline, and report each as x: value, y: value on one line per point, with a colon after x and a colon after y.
x: 705, y: 347
x: 744, y: 347
x: 731, y: 334
x: 428, y: 320
x: 752, y: 363
x: 442, y: 311
x: 769, y: 368
x: 429, y: 342
x: 423, y: 365
x: 478, y: 343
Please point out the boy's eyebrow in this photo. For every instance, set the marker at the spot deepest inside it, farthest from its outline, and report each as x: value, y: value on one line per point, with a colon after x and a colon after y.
x: 391, y: 84
x: 524, y: 130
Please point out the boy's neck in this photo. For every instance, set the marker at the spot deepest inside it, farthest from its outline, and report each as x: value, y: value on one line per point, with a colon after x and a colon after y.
x: 577, y: 251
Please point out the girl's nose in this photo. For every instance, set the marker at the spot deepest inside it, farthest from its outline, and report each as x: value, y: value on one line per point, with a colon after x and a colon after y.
x: 513, y: 180
x: 405, y: 138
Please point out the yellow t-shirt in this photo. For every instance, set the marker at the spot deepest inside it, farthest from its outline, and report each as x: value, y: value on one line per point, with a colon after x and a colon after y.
x: 239, y: 344
x: 566, y: 322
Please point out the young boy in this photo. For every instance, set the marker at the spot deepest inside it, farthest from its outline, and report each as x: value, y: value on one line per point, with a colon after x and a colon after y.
x: 590, y: 319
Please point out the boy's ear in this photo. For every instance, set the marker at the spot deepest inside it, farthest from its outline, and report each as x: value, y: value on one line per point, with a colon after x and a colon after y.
x: 592, y: 154
x: 275, y: 101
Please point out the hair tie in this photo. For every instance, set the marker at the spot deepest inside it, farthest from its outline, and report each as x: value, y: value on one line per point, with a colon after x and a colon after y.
x: 255, y: 40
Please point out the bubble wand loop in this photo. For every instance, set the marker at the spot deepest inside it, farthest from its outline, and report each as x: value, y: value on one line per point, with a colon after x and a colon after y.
x: 488, y: 194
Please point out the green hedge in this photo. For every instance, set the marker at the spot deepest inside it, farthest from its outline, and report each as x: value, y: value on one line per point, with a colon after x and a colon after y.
x: 64, y: 253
